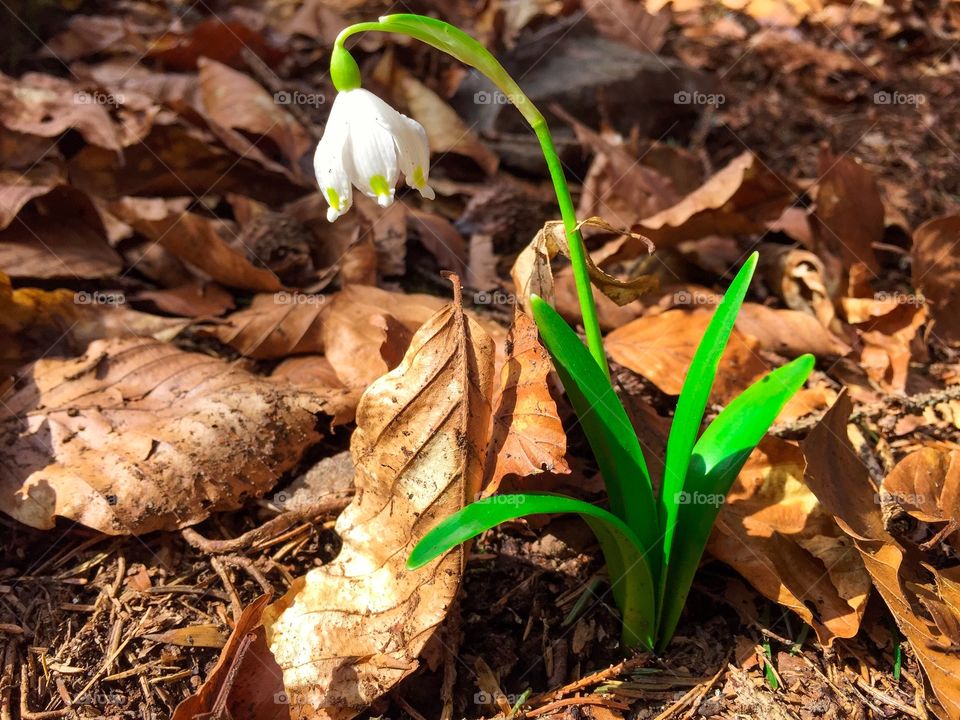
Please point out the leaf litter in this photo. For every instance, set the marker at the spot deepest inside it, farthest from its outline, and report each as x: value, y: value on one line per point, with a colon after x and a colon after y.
x: 189, y: 347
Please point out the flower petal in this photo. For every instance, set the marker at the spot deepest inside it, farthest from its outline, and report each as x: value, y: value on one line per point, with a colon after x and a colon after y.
x: 329, y: 163
x: 413, y: 153
x: 372, y: 151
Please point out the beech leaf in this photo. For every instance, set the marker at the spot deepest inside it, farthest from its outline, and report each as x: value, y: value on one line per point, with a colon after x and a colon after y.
x: 349, y: 631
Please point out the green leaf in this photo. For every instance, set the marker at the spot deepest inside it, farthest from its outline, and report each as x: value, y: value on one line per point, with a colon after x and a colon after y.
x: 606, y: 425
x: 692, y: 403
x: 629, y: 572
x: 715, y: 463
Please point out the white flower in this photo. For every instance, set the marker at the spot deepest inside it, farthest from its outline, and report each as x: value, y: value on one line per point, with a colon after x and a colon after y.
x: 367, y: 143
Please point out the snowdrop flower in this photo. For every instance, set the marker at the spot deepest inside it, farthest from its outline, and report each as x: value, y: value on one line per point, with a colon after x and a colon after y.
x: 366, y: 144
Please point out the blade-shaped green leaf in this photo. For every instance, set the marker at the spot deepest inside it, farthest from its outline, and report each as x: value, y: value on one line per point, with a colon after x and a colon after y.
x: 716, y: 461
x: 692, y: 403
x: 606, y: 425
x: 629, y: 572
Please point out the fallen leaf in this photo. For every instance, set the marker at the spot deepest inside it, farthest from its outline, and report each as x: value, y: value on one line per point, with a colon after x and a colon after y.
x: 910, y: 588
x: 197, y: 299
x: 740, y: 199
x: 926, y: 485
x: 936, y: 273
x: 58, y: 235
x: 137, y: 436
x: 661, y: 347
x: 775, y: 533
x: 790, y: 333
x: 528, y: 437
x: 17, y: 189
x: 349, y: 631
x: 888, y: 345
x: 848, y: 219
x: 533, y: 275
x: 192, y: 636
x: 235, y: 100
x: 195, y: 239
x: 246, y: 679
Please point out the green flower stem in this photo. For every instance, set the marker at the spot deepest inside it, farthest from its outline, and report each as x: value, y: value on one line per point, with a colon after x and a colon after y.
x: 458, y: 44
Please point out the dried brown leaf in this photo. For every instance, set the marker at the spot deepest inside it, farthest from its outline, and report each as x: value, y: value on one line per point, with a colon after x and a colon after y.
x: 776, y: 534
x: 661, y: 347
x: 923, y: 600
x: 936, y: 272
x: 532, y: 274
x: 349, y: 631
x: 528, y: 437
x: 136, y: 436
x: 740, y: 199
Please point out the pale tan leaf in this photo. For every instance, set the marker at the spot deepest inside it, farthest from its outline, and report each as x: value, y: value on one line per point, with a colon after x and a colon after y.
x: 926, y: 484
x: 349, y: 631
x: 136, y: 436
x: 192, y: 636
x: 776, y: 534
x: 789, y: 332
x: 528, y: 437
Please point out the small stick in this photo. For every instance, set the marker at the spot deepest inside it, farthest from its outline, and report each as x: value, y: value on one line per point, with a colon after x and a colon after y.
x: 235, y: 603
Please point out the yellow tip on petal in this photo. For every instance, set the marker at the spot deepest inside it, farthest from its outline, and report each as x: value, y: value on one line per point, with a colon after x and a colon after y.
x: 334, y: 199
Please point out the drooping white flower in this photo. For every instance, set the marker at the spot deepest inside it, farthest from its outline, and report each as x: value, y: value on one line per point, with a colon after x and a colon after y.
x: 366, y: 144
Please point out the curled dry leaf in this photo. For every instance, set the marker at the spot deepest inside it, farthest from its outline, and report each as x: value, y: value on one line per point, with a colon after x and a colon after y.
x: 888, y: 345
x: 740, y: 199
x: 926, y: 485
x: 776, y: 534
x: 528, y: 437
x: 532, y: 274
x: 347, y: 632
x: 661, y: 347
x: 136, y: 436
x: 936, y: 272
x: 799, y: 277
x: 924, y: 601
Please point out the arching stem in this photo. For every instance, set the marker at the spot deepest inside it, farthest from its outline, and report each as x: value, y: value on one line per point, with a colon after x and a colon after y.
x: 458, y: 44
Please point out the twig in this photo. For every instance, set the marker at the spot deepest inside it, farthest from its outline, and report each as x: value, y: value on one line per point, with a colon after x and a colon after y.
x: 886, y: 699
x: 235, y: 603
x: 267, y: 531
x: 595, y: 678
x: 254, y: 572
